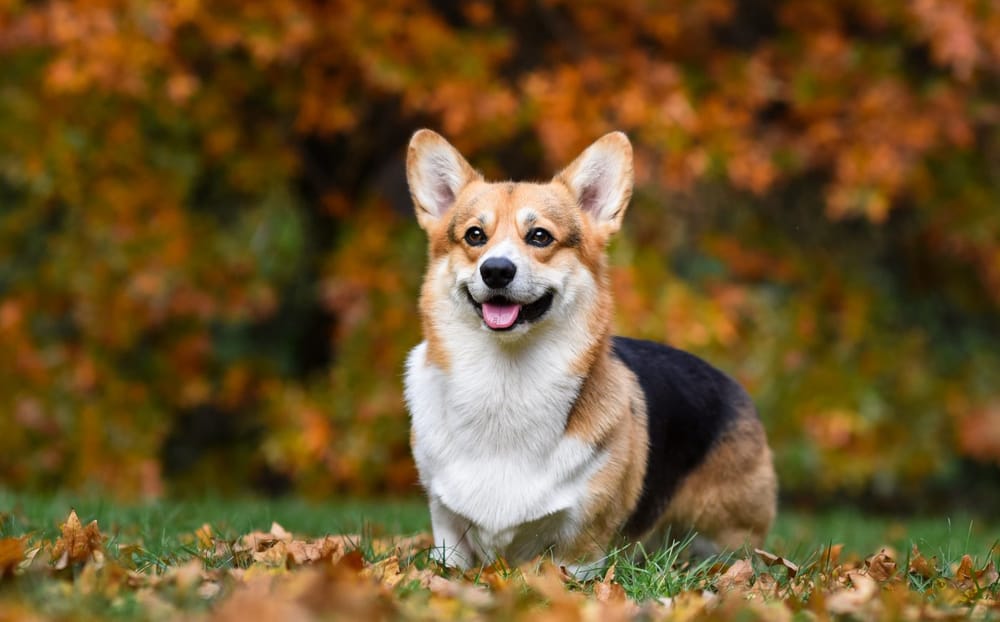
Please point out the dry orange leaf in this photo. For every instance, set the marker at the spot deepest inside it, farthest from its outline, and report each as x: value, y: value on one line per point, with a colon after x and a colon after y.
x: 550, y: 582
x: 77, y: 543
x: 11, y: 554
x: 852, y: 600
x: 921, y: 566
x: 881, y: 566
x: 737, y: 577
x: 258, y: 541
x: 967, y: 578
x: 988, y: 576
x: 774, y: 560
x: 275, y: 555
x: 465, y: 592
x: 607, y: 591
x: 406, y: 546
x: 831, y: 556
x: 330, y: 548
x: 205, y: 537
x: 386, y: 572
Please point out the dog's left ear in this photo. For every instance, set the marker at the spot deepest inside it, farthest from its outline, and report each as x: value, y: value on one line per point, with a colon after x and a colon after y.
x: 436, y: 172
x: 601, y: 180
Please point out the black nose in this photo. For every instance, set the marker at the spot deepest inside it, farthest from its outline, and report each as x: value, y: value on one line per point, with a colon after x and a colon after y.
x: 497, y: 272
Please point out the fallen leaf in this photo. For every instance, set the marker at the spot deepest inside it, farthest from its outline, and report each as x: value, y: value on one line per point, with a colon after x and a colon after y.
x: 988, y: 575
x: 280, y: 533
x: 254, y: 542
x: 257, y: 572
x: 330, y: 548
x: 155, y: 606
x: 774, y: 560
x: 274, y: 555
x: 468, y: 593
x: 968, y: 579
x: 31, y: 555
x: 186, y: 576
x: 832, y: 555
x: 550, y: 582
x: 11, y: 555
x: 765, y: 586
x: 687, y: 605
x: 77, y: 543
x: 881, y: 566
x: 106, y: 579
x: 256, y: 602
x: 209, y: 590
x: 607, y: 591
x: 921, y: 566
x: 984, y: 608
x: 353, y: 561
x: 495, y: 575
x: 853, y: 599
x: 965, y: 574
x: 419, y: 577
x: 205, y: 537
x: 385, y: 571
x: 404, y: 547
x: 757, y: 609
x: 737, y: 577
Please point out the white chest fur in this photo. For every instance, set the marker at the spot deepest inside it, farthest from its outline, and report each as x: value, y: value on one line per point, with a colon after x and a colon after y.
x: 489, y: 439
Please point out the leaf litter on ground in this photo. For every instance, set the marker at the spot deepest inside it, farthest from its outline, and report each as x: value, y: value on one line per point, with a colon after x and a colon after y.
x: 281, y: 576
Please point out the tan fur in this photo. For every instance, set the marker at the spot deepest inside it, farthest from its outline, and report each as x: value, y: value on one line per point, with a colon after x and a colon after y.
x: 731, y: 497
x: 611, y: 413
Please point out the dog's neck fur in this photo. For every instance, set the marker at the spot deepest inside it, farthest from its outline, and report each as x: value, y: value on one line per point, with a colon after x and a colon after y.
x: 507, y: 384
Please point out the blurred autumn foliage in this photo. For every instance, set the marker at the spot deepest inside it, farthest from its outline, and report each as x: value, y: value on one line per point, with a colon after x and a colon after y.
x: 208, y: 264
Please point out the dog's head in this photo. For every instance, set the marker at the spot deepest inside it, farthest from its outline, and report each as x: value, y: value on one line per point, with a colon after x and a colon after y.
x: 508, y: 256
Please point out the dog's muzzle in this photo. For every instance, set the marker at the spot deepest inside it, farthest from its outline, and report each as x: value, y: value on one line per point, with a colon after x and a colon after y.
x: 500, y: 313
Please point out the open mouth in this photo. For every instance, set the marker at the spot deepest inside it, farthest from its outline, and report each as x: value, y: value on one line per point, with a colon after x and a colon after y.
x: 501, y: 313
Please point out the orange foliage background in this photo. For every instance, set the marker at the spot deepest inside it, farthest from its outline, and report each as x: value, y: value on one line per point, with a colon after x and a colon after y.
x: 208, y: 265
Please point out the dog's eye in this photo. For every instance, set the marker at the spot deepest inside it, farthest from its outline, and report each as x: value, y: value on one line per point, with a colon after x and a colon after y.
x: 539, y: 237
x: 475, y: 236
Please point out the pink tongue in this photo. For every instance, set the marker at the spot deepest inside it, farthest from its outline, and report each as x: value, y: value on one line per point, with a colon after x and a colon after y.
x: 500, y: 316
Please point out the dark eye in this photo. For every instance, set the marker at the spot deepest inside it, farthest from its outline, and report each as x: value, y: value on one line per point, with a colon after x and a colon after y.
x: 539, y: 237
x: 475, y: 236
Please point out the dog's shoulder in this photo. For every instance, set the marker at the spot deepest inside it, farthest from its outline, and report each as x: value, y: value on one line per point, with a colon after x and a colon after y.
x: 689, y: 406
x: 678, y: 384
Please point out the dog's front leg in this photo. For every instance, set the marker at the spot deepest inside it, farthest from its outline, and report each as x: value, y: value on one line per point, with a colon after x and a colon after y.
x: 451, y: 537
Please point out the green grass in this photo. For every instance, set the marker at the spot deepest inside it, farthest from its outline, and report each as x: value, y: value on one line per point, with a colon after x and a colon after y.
x: 949, y: 536
x: 159, y: 525
x: 151, y: 537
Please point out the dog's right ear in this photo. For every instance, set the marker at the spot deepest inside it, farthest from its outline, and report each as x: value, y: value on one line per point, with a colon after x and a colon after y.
x: 436, y: 172
x: 601, y: 180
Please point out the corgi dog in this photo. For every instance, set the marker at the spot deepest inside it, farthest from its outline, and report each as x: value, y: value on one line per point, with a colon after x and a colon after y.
x: 534, y: 429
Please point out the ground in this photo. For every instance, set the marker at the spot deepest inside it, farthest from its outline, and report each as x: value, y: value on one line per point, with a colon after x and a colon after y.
x: 292, y: 560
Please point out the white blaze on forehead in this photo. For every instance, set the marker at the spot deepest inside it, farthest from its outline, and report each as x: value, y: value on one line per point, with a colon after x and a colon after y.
x: 507, y: 249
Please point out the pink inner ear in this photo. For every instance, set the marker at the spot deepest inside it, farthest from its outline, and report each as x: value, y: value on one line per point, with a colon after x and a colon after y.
x: 444, y: 197
x: 601, y: 180
x: 589, y: 198
x: 596, y: 196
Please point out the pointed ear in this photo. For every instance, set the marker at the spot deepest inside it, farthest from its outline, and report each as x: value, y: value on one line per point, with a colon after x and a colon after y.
x: 601, y: 180
x: 436, y: 173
